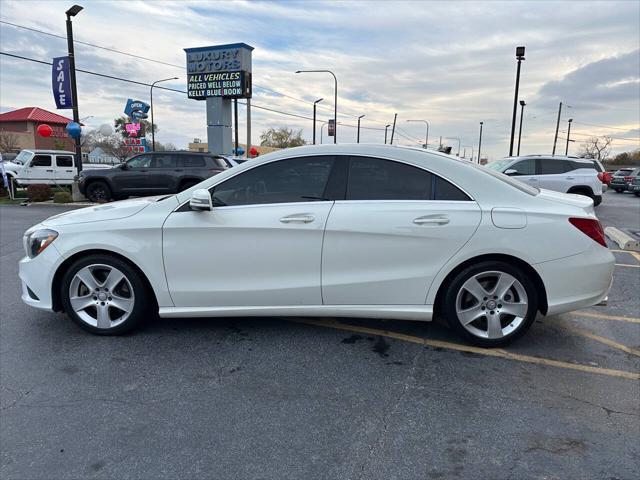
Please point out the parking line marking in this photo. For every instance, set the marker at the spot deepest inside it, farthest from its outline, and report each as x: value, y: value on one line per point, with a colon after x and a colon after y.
x: 604, y: 340
x: 627, y: 265
x: 500, y: 353
x: 635, y: 255
x: 602, y: 316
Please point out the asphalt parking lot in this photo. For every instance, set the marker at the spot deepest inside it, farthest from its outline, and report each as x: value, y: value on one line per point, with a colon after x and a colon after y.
x: 319, y: 398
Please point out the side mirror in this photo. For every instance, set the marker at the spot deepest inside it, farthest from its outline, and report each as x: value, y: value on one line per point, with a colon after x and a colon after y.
x: 123, y: 166
x: 511, y: 171
x: 201, y: 200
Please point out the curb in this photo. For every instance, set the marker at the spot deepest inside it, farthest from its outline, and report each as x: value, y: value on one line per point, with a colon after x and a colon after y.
x: 624, y: 240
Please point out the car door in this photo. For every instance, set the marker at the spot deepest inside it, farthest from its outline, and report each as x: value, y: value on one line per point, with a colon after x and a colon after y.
x: 64, y: 171
x: 525, y: 171
x: 395, y: 229
x: 134, y: 177
x: 39, y: 170
x: 163, y: 173
x: 261, y: 243
x: 554, y: 174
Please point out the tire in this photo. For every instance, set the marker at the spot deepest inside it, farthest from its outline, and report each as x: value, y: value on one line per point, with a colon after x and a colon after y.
x: 99, y: 305
x: 187, y: 185
x: 481, y: 330
x: 618, y: 190
x: 637, y: 194
x: 98, y: 192
x: 597, y: 200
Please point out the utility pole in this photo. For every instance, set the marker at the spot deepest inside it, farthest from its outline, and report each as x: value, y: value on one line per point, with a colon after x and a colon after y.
x: 248, y: 127
x: 555, y: 139
x: 480, y: 143
x: 358, y: 138
x: 393, y: 130
x: 386, y: 127
x: 72, y: 12
x: 520, y: 57
x: 522, y: 104
x: 566, y: 150
x: 235, y: 124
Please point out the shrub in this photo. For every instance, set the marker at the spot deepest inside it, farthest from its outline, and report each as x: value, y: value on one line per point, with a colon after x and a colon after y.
x: 38, y: 193
x: 62, y: 197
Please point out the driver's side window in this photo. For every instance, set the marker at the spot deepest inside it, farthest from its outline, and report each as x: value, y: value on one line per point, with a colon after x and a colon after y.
x: 141, y: 161
x: 284, y: 181
x: 524, y: 167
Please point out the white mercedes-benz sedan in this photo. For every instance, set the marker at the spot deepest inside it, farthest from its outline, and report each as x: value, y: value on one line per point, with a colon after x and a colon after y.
x: 335, y: 230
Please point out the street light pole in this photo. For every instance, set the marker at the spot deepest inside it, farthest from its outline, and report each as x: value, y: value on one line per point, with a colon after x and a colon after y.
x: 520, y: 57
x: 555, y: 139
x: 522, y: 104
x: 153, y: 133
x: 386, y: 127
x: 566, y: 150
x: 358, y: 138
x: 480, y: 143
x: 72, y: 12
x: 321, y: 127
x: 314, y: 118
x: 335, y: 100
x: 426, y: 140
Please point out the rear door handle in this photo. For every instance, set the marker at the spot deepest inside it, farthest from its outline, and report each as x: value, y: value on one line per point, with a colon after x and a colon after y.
x: 298, y: 218
x: 533, y: 179
x: 49, y: 170
x: 570, y: 178
x: 431, y: 220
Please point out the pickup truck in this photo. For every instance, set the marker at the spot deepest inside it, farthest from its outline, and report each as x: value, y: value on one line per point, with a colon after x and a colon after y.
x: 52, y: 167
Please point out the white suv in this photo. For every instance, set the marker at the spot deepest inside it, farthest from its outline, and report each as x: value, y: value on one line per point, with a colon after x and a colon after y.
x: 559, y: 173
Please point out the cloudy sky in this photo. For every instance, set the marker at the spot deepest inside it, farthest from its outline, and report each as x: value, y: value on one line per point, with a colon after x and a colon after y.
x: 451, y: 63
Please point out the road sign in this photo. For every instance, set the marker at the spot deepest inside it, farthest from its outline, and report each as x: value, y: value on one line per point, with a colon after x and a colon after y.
x: 332, y: 127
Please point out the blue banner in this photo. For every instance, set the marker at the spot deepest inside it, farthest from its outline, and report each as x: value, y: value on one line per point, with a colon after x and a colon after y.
x: 61, y: 83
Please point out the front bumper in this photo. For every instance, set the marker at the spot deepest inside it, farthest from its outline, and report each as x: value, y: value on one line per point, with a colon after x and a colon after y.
x: 578, y: 281
x: 36, y: 276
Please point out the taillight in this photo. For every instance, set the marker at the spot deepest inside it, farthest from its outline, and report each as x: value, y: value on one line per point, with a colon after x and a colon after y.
x: 591, y: 228
x: 628, y: 179
x: 601, y: 177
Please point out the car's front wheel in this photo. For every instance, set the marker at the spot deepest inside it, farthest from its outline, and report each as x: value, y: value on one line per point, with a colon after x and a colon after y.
x: 105, y: 295
x: 98, y: 191
x: 491, y: 303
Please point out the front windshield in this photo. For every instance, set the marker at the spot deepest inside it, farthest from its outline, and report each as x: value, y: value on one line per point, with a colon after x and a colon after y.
x: 498, y: 165
x: 23, y: 157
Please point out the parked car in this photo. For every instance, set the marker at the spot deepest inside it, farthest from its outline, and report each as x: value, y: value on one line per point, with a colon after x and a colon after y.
x: 604, y: 176
x: 51, y: 167
x: 635, y: 186
x: 328, y: 230
x: 622, y: 178
x: 156, y: 173
x: 559, y: 173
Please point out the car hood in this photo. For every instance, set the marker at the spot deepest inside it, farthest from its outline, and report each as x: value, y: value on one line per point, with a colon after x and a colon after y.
x: 100, y: 213
x: 580, y: 201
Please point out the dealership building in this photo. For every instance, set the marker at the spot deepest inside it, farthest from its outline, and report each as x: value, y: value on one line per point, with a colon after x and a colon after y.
x: 21, y: 127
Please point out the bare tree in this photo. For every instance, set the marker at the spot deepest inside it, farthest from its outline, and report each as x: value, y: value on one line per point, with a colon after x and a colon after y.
x: 596, y: 147
x: 281, y: 138
x: 8, y: 142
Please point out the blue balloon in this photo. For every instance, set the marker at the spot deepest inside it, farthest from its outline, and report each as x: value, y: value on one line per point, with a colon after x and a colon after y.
x: 240, y: 151
x: 74, y: 130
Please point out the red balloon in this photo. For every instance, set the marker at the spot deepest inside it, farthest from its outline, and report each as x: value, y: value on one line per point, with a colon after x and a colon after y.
x: 253, y: 151
x: 44, y: 130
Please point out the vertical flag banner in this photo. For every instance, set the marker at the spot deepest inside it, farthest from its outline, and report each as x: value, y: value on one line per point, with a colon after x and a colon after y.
x: 61, y: 83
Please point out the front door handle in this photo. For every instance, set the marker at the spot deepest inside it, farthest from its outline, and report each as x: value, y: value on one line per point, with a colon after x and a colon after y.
x: 533, y: 179
x: 431, y: 220
x: 570, y: 178
x: 298, y: 218
x: 49, y: 171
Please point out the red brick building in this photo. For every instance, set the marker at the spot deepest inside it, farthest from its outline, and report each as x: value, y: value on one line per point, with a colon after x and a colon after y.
x: 21, y: 125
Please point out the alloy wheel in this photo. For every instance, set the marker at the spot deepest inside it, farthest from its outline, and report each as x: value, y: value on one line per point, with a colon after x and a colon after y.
x: 101, y: 295
x: 491, y: 304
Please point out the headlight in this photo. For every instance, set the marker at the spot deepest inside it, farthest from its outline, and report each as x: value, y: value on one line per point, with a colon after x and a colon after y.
x: 37, y: 241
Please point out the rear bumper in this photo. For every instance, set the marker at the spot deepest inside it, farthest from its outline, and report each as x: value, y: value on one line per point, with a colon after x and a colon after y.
x: 578, y: 281
x: 619, y: 186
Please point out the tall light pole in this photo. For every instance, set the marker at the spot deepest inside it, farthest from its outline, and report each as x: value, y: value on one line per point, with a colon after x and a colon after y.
x: 555, y: 139
x: 321, y: 127
x: 72, y: 12
x: 520, y: 57
x: 426, y: 140
x: 458, y: 139
x: 314, y: 118
x: 480, y: 143
x: 465, y: 151
x: 566, y: 150
x: 335, y: 100
x: 358, y: 137
x: 153, y: 133
x: 386, y: 127
x: 522, y: 104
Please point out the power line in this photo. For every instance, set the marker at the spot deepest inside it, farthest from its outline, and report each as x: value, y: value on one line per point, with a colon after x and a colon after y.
x: 603, y: 126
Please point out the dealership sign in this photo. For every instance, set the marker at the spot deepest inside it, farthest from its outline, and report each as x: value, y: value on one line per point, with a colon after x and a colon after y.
x: 136, y: 109
x: 219, y: 71
x: 61, y: 83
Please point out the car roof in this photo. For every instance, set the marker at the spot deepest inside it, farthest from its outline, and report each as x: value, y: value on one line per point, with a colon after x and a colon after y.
x: 54, y: 152
x: 555, y: 157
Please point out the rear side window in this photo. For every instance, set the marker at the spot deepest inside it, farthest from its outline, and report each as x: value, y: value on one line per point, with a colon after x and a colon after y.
x: 41, y: 161
x: 445, y: 190
x: 192, y: 161
x: 66, y: 161
x: 524, y: 167
x: 548, y: 166
x: 378, y: 179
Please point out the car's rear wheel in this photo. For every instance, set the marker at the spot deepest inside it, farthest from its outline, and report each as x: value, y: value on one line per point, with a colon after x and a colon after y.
x: 618, y: 190
x: 98, y: 192
x: 105, y: 295
x: 491, y: 303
